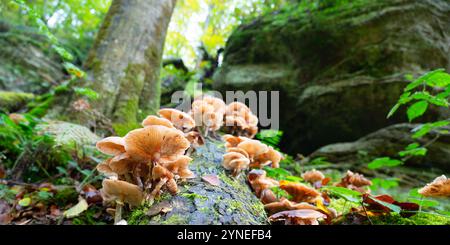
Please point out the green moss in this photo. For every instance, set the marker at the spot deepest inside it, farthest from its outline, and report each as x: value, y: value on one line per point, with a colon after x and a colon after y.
x: 193, y: 196
x: 66, y: 196
x: 10, y: 101
x: 138, y: 217
x: 175, y: 219
x: 418, y: 219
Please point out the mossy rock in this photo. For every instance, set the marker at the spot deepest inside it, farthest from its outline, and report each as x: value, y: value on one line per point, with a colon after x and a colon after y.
x: 232, y: 202
x: 69, y: 136
x: 339, y: 69
x: 12, y: 101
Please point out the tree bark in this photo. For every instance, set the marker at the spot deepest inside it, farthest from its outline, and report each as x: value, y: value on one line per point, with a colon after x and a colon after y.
x: 200, y: 203
x: 124, y: 63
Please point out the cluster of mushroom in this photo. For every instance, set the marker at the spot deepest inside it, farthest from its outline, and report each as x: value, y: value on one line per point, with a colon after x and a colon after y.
x: 243, y: 152
x: 211, y: 114
x: 355, y: 181
x: 146, y: 160
x: 240, y: 120
x: 305, y: 206
x: 440, y: 187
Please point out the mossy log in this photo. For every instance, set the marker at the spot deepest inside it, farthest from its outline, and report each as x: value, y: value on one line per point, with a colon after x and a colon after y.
x: 198, y: 202
x: 12, y: 101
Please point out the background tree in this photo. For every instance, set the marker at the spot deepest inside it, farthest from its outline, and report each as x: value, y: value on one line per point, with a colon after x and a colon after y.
x: 124, y: 63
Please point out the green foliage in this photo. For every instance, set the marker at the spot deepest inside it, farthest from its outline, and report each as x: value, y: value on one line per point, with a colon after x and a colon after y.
x: 413, y: 150
x: 437, y: 80
x: 385, y: 184
x: 22, y: 142
x: 347, y: 194
x: 270, y: 137
x: 384, y: 162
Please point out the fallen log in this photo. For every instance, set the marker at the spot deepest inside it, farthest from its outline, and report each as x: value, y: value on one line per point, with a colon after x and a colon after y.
x: 199, y: 202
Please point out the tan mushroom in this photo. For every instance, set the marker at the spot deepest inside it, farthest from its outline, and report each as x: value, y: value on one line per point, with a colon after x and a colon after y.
x: 156, y: 143
x: 105, y: 169
x: 180, y: 167
x: 300, y: 192
x: 111, y: 145
x: 154, y: 120
x: 195, y: 138
x: 238, y: 150
x: 267, y: 196
x: 236, y: 162
x: 239, y: 120
x: 253, y: 148
x: 218, y: 104
x: 298, y: 217
x: 354, y: 181
x: 121, y: 192
x: 313, y: 176
x: 179, y: 119
x: 440, y: 187
x: 270, y: 157
x: 17, y: 118
x: 233, y: 141
x: 162, y: 177
x: 259, y: 181
x: 284, y: 204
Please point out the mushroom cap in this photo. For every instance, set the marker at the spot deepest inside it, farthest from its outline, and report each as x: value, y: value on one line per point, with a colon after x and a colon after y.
x: 111, y: 145
x: 195, y: 138
x: 180, y: 167
x: 235, y: 121
x: 203, y: 113
x: 440, y: 187
x: 284, y: 204
x: 122, y: 164
x: 253, y: 147
x: 313, y: 176
x: 238, y: 150
x: 154, y: 120
x: 179, y: 119
x: 156, y: 143
x: 272, y: 156
x: 299, y: 216
x: 267, y: 196
x: 105, y: 169
x: 299, y: 192
x: 159, y: 172
x: 236, y: 106
x: 235, y: 161
x: 233, y: 141
x: 354, y: 179
x: 218, y: 104
x: 259, y: 181
x: 121, y: 190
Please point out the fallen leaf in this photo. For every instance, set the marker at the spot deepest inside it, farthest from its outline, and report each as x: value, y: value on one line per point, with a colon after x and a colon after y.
x: 54, y: 210
x: 5, y: 217
x: 211, y: 179
x: 25, y: 202
x: 91, y: 194
x: 76, y: 210
x: 2, y: 172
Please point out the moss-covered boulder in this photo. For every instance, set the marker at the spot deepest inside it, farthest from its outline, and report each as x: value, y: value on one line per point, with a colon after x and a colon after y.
x: 338, y: 69
x: 27, y: 62
x: 201, y: 203
x: 13, y: 101
x: 388, y: 142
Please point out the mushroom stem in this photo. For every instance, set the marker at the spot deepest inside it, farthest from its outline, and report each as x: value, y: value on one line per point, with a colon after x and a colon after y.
x: 189, y: 151
x: 118, y: 213
x: 158, y: 186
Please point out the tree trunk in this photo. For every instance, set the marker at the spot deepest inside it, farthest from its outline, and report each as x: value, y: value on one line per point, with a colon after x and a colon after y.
x: 230, y: 203
x: 124, y: 63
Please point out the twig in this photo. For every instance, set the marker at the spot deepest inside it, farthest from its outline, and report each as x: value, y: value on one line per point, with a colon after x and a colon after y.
x: 367, y: 215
